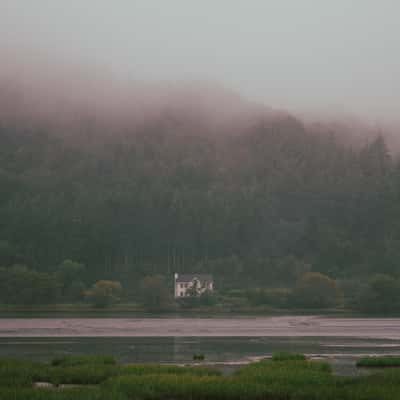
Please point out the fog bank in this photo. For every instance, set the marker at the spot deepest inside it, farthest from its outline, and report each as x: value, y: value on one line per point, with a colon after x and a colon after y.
x: 306, y: 57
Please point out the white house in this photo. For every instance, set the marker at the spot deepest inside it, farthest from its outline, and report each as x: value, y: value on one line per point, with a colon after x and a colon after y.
x: 187, y: 284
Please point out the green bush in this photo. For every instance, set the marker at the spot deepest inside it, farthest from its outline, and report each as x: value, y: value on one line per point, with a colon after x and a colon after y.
x: 155, y: 294
x: 104, y: 293
x: 208, y: 298
x: 382, y: 295
x: 278, y: 297
x: 315, y: 290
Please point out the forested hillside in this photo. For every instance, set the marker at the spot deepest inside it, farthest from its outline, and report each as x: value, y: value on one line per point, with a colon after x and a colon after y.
x: 253, y: 206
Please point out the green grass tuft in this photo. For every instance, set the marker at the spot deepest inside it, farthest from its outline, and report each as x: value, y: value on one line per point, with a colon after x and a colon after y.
x: 286, y: 356
x: 378, y: 362
x: 162, y: 369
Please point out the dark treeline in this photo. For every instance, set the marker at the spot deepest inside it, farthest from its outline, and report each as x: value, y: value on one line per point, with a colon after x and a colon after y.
x: 256, y: 208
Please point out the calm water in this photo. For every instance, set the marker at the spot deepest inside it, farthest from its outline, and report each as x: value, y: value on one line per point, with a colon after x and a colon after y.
x: 222, y: 340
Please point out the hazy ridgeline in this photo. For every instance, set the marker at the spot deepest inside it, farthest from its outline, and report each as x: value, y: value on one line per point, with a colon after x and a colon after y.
x: 138, y: 179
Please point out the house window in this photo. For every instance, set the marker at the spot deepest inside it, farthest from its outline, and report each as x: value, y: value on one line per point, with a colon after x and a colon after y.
x: 186, y: 285
x: 181, y: 285
x: 181, y: 294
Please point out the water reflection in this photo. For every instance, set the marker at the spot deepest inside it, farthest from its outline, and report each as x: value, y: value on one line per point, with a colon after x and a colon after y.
x: 223, y: 341
x: 181, y: 349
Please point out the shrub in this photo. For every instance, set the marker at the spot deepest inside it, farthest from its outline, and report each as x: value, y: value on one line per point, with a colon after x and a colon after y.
x: 274, y: 297
x: 154, y: 293
x: 315, y: 290
x: 382, y: 295
x: 104, y: 293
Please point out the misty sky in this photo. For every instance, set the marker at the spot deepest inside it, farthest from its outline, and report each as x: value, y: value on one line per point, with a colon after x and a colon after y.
x: 294, y: 54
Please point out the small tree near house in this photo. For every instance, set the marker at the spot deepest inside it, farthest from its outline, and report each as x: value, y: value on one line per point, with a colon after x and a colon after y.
x: 315, y: 290
x: 155, y: 294
x: 104, y: 293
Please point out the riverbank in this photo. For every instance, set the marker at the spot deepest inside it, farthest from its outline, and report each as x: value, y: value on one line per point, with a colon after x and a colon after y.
x: 232, y: 326
x: 127, y: 310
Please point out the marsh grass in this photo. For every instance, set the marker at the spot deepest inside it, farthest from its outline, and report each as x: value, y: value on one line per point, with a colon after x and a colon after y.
x: 67, y: 394
x: 157, y: 387
x: 92, y: 374
x: 281, y: 378
x: 21, y: 373
x: 285, y: 378
x: 78, y: 359
x: 162, y: 369
x: 87, y: 374
x: 378, y: 362
x: 286, y: 356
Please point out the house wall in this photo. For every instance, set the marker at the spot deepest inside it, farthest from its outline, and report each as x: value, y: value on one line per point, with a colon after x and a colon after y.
x: 182, y: 287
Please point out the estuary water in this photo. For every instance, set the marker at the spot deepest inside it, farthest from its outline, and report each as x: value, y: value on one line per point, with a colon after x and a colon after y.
x: 228, y: 341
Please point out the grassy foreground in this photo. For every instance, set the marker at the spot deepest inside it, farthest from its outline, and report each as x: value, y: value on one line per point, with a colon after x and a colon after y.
x: 284, y: 377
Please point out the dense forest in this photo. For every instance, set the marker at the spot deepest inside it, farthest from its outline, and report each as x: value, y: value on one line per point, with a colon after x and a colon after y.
x: 255, y: 204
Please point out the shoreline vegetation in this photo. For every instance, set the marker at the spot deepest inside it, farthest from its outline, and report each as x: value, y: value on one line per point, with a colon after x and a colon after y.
x: 284, y: 376
x: 133, y: 310
x: 26, y: 291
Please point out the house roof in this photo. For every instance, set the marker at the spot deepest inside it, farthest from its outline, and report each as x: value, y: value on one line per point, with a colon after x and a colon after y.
x: 190, y: 277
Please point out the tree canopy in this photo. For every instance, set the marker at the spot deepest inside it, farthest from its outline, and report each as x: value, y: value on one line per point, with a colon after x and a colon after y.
x: 259, y: 207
